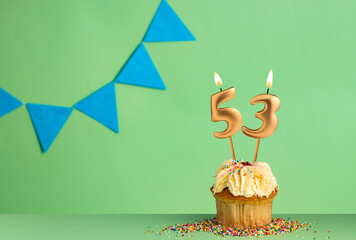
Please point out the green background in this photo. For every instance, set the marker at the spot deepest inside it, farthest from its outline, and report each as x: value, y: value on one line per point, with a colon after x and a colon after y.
x: 163, y: 159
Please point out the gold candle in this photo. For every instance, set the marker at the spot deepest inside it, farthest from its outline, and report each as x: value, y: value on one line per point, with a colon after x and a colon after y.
x: 267, y: 115
x: 231, y: 116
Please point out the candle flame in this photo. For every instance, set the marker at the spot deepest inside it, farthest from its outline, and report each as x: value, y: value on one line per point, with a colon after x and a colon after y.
x: 269, y: 79
x: 217, y: 79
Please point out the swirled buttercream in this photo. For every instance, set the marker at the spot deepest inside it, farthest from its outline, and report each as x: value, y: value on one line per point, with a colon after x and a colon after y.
x: 245, y: 179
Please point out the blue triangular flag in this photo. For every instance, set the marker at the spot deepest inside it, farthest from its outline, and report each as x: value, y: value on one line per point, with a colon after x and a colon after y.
x: 48, y: 121
x: 167, y: 26
x: 8, y: 102
x: 140, y: 71
x: 101, y: 106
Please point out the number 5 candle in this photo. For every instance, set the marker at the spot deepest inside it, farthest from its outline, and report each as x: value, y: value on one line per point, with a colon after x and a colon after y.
x: 231, y: 116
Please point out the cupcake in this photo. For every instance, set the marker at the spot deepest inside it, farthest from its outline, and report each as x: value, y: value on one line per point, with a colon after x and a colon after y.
x: 244, y: 193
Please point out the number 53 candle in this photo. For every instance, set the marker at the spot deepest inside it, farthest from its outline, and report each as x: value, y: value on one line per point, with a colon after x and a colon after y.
x: 233, y: 117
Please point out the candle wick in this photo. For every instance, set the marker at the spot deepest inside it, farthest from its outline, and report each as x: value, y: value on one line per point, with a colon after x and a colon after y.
x: 220, y: 89
x: 267, y: 90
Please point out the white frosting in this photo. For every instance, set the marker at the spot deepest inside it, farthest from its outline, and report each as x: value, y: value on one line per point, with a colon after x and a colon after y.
x: 245, y: 180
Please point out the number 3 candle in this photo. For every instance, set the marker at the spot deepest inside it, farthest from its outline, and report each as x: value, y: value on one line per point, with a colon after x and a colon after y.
x: 267, y: 115
x: 231, y: 116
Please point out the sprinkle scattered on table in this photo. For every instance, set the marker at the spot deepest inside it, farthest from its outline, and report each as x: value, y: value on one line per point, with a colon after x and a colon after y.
x: 277, y: 227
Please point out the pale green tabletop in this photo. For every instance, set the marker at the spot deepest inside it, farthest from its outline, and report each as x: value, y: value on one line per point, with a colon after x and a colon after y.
x: 134, y: 227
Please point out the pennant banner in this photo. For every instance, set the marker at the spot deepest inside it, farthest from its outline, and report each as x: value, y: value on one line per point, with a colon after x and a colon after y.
x: 140, y: 71
x: 48, y: 121
x: 8, y: 102
x: 101, y: 106
x: 166, y: 26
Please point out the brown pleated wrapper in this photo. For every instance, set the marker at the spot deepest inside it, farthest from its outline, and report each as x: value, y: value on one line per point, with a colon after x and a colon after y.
x: 243, y: 212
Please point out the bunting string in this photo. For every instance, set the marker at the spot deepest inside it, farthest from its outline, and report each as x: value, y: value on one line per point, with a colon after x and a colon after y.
x: 48, y: 120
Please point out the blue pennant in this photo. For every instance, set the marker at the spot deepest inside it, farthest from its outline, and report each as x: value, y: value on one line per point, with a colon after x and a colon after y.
x: 101, y: 106
x: 140, y: 71
x: 8, y: 102
x: 48, y: 121
x: 166, y: 26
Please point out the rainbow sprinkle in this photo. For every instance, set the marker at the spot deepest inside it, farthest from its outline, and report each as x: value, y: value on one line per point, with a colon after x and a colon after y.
x: 277, y: 226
